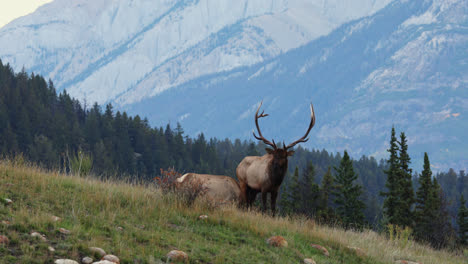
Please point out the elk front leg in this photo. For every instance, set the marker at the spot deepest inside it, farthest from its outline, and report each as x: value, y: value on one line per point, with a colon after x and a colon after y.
x: 264, y: 201
x: 274, y: 195
x: 243, y: 194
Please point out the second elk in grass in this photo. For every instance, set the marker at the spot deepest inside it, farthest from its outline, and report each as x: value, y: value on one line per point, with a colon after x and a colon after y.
x: 215, y: 189
x: 265, y: 174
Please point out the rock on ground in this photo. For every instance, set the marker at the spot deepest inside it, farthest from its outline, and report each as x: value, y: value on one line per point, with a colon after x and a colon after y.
x: 407, y: 262
x: 64, y: 231
x: 39, y: 235
x: 65, y: 261
x: 203, y: 217
x: 309, y: 261
x: 4, y: 240
x: 87, y: 260
x: 111, y: 258
x: 177, y: 255
x: 277, y: 241
x: 98, y: 251
x: 321, y: 248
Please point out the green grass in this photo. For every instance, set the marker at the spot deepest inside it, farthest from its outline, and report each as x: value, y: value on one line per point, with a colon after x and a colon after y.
x: 153, y: 224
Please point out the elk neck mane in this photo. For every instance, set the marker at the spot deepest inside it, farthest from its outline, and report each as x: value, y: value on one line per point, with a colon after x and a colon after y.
x: 277, y: 170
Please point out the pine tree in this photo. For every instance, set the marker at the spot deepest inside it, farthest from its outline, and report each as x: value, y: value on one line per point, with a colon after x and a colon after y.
x: 309, y: 191
x: 349, y: 206
x: 405, y: 189
x: 326, y: 188
x: 391, y: 202
x: 284, y: 203
x: 294, y: 192
x: 431, y: 214
x: 441, y: 231
x: 325, y: 193
x: 462, y: 221
x: 424, y: 201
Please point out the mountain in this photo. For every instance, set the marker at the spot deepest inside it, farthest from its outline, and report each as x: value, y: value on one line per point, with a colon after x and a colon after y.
x: 405, y: 66
x: 128, y: 50
x: 366, y: 66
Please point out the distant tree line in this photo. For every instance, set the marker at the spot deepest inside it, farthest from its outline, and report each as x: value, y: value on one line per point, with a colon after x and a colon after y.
x: 58, y: 132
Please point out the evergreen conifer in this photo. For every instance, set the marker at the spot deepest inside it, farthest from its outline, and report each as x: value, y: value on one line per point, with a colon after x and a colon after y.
x: 349, y: 206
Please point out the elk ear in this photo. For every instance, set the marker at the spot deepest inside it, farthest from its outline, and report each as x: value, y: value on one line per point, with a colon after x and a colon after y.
x: 269, y: 150
x: 291, y: 152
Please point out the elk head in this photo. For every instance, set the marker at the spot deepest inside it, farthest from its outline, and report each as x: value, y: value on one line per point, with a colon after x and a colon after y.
x: 284, y: 152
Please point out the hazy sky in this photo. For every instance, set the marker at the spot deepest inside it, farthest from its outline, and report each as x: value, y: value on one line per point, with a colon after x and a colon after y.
x: 11, y: 9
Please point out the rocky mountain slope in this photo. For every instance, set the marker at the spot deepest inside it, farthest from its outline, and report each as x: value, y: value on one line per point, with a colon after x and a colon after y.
x: 128, y: 50
x: 208, y: 64
x: 405, y: 66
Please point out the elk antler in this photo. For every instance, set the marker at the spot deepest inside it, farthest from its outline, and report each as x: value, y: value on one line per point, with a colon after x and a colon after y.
x: 312, y: 123
x: 258, y: 128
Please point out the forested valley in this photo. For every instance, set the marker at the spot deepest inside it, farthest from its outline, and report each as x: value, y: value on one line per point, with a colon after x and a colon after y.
x: 57, y: 132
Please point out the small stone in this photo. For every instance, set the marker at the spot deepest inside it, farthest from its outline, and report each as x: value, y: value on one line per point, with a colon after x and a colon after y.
x: 8, y: 201
x: 51, y: 249
x: 87, y: 260
x: 55, y: 218
x: 5, y: 222
x: 321, y: 248
x: 309, y: 261
x: 104, y: 262
x: 177, y: 256
x: 98, y: 251
x: 359, y: 252
x: 64, y: 231
x: 40, y: 236
x: 120, y: 228
x: 142, y: 227
x: 407, y: 262
x: 203, y: 217
x: 111, y: 258
x: 65, y: 261
x: 277, y: 241
x: 4, y: 240
x: 8, y: 184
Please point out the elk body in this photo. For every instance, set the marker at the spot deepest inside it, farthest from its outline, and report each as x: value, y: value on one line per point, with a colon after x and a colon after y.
x: 266, y: 173
x: 217, y: 189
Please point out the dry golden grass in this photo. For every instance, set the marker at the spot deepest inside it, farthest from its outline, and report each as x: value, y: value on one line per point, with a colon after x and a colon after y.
x: 153, y: 224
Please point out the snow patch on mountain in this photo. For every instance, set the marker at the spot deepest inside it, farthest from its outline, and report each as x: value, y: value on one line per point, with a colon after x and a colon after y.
x: 127, y: 50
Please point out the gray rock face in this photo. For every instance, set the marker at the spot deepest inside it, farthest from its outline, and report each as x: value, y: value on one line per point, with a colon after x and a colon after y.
x: 65, y: 261
x: 98, y: 251
x: 87, y: 260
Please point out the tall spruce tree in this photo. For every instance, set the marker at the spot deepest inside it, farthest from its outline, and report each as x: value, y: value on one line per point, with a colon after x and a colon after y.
x: 309, y: 191
x: 349, y: 206
x: 404, y: 217
x: 462, y: 221
x: 391, y: 203
x: 294, y: 192
x: 424, y: 201
x: 325, y: 193
x: 441, y: 231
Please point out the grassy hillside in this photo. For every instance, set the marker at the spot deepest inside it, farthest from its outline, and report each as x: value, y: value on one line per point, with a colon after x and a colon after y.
x: 140, y: 225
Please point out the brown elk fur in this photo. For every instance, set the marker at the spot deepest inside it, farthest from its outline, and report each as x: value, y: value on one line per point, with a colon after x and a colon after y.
x: 266, y: 173
x: 217, y: 189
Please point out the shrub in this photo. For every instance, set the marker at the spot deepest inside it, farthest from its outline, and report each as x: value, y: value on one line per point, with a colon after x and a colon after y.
x: 187, y: 192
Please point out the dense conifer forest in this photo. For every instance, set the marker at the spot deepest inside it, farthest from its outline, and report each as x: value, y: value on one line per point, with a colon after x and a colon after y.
x: 58, y: 132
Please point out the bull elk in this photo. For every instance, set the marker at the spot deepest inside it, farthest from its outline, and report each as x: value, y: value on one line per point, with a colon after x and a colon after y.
x: 217, y: 189
x: 266, y: 173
